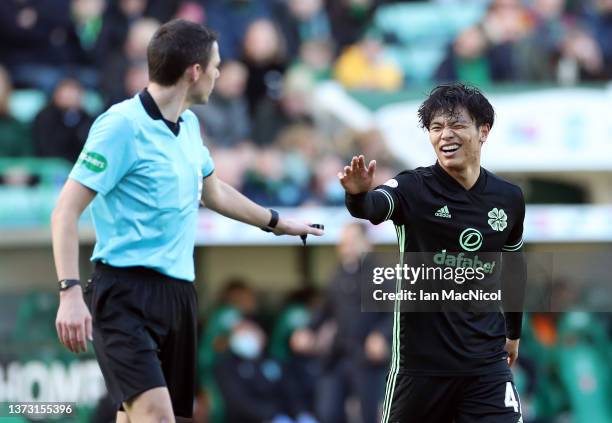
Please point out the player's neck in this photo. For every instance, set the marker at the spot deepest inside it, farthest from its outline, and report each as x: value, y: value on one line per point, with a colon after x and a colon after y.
x: 466, y: 176
x: 172, y: 100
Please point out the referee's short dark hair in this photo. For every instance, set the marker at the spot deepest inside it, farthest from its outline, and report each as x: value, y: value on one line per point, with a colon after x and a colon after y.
x: 446, y: 98
x: 175, y: 46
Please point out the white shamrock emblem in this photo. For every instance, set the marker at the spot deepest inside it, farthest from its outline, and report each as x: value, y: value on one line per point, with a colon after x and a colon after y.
x: 497, y: 219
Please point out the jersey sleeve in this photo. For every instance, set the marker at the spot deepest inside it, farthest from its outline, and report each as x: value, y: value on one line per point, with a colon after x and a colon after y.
x: 108, y: 154
x: 208, y: 166
x: 514, y: 273
x: 395, y: 191
x: 515, y: 238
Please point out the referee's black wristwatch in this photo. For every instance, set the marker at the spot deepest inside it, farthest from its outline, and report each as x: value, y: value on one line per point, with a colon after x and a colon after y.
x: 64, y: 284
x: 273, y: 221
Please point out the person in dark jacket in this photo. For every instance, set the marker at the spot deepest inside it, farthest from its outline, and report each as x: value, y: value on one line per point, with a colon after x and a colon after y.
x: 60, y: 128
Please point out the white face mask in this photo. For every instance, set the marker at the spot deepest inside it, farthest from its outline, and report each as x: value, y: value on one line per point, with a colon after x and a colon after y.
x: 246, y: 344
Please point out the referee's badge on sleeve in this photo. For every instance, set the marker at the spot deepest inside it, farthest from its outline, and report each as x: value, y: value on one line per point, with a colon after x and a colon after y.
x: 391, y: 183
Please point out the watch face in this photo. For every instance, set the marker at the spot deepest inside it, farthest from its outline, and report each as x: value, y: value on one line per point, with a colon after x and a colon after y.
x: 63, y: 285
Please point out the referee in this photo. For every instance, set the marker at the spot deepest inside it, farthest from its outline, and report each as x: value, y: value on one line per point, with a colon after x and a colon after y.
x: 451, y: 366
x: 144, y: 170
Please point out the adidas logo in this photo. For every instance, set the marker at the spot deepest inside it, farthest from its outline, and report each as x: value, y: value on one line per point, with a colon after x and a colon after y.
x: 443, y: 212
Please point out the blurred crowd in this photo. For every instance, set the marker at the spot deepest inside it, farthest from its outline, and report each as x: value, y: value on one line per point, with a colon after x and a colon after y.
x: 260, y: 123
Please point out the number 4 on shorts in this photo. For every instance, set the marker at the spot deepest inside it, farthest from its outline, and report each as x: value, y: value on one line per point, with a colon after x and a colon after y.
x: 510, y: 400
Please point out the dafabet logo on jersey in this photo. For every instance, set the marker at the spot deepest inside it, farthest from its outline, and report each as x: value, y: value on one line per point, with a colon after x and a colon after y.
x: 93, y: 161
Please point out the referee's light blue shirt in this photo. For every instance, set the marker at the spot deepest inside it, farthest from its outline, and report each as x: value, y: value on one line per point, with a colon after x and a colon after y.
x: 149, y: 181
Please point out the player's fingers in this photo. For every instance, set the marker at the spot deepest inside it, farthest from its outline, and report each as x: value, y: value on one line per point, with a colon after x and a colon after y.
x: 58, y: 328
x: 354, y: 164
x: 362, y: 164
x: 347, y: 171
x: 372, y: 167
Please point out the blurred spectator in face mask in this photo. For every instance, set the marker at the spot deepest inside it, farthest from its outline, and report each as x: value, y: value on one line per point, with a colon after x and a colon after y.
x: 60, y: 128
x: 264, y: 55
x: 254, y: 387
x: 131, y: 58
x: 225, y: 118
x: 15, y: 138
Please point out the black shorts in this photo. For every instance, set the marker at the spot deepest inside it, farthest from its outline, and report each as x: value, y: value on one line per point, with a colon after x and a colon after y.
x: 488, y: 398
x: 144, y: 333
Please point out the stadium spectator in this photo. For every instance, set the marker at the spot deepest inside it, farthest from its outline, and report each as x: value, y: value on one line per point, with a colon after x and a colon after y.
x: 225, y: 119
x: 268, y: 181
x: 355, y: 363
x: 349, y: 19
x: 264, y: 54
x: 364, y: 66
x: 602, y: 30
x: 132, y: 57
x: 302, y: 368
x: 253, y: 385
x: 60, y: 128
x: 236, y: 301
x: 291, y: 106
x: 39, y: 44
x: 540, y: 50
x: 485, y: 53
x: 15, y: 138
x: 316, y: 58
x: 87, y: 18
x: 302, y: 21
x: 231, y: 18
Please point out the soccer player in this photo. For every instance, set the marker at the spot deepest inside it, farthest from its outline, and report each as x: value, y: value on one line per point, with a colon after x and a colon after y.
x: 449, y: 366
x: 144, y: 168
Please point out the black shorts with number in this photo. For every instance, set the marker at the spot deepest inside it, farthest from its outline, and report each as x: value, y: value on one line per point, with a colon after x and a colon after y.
x: 144, y: 333
x: 488, y: 398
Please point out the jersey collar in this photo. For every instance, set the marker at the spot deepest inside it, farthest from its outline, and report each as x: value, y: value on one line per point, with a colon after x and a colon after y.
x: 153, y: 111
x: 451, y: 182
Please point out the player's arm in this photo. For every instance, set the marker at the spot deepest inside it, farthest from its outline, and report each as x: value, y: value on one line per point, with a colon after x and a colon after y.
x: 226, y: 200
x: 514, y: 281
x: 73, y: 321
x: 356, y: 179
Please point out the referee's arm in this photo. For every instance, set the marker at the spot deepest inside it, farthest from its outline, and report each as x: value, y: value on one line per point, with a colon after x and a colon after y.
x: 73, y: 322
x: 226, y: 200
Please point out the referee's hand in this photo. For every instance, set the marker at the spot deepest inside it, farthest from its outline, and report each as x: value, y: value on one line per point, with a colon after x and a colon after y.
x: 357, y: 178
x: 293, y: 227
x: 73, y: 322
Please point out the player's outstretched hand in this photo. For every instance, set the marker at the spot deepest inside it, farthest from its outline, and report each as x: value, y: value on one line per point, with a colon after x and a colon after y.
x: 357, y: 178
x: 293, y: 227
x: 73, y: 322
x: 512, y: 348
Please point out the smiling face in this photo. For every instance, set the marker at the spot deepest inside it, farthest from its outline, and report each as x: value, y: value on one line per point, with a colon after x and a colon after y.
x: 456, y: 139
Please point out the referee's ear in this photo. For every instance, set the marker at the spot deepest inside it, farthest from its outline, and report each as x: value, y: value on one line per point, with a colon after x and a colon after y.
x: 194, y: 72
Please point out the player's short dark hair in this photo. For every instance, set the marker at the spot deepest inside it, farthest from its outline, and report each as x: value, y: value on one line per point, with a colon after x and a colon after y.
x: 175, y: 46
x: 446, y: 98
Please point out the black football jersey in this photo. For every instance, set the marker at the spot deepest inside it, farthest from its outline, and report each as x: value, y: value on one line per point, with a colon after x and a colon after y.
x: 432, y: 212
